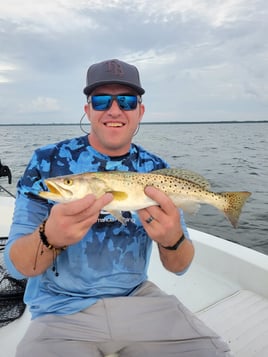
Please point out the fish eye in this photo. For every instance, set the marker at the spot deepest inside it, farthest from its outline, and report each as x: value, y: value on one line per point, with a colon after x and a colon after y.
x: 68, y: 181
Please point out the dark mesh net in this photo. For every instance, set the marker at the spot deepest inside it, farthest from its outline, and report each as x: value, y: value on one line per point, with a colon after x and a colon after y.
x: 11, y: 292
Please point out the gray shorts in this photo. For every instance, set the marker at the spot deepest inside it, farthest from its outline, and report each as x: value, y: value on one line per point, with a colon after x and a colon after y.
x: 149, y: 323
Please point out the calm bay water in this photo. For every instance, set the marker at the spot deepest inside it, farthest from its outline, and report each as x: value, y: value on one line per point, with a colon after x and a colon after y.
x: 232, y: 156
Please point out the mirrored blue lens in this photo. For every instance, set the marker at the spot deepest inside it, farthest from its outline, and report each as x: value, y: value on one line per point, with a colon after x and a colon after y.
x: 104, y: 102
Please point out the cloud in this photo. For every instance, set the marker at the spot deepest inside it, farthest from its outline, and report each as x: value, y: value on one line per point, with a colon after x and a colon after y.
x: 41, y: 104
x: 206, y: 54
x: 5, y: 69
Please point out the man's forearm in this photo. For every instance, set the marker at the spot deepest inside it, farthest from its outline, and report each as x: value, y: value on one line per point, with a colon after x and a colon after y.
x: 29, y: 256
x: 177, y: 260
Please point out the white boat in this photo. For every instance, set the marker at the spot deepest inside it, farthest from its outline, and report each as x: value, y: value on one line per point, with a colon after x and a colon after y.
x: 227, y: 286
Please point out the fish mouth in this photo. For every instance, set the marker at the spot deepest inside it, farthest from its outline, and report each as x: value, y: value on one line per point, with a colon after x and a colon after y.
x: 56, y: 191
x: 53, y: 188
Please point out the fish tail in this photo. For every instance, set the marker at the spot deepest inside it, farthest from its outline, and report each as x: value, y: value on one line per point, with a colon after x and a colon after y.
x: 235, y: 202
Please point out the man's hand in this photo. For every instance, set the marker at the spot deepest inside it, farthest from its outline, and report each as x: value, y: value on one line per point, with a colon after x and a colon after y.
x: 164, y: 220
x: 162, y: 224
x: 69, y: 222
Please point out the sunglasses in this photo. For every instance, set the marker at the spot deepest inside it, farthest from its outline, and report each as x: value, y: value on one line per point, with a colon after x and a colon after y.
x: 105, y: 101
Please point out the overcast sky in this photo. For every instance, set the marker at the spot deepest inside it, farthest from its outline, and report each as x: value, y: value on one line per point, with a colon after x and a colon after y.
x: 199, y: 60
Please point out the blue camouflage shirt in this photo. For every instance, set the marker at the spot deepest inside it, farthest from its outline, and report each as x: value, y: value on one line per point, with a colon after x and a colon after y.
x: 111, y: 260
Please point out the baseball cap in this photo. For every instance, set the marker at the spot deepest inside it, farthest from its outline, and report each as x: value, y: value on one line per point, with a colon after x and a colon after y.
x: 113, y: 71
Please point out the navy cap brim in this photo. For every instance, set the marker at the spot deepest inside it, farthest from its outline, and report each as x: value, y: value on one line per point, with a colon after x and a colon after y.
x: 89, y: 89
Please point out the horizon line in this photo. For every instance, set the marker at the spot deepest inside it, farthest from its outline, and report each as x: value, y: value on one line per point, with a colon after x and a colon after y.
x: 145, y: 123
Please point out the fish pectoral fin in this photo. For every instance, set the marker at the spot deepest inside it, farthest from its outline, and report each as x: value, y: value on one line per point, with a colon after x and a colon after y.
x: 119, y: 195
x: 119, y: 217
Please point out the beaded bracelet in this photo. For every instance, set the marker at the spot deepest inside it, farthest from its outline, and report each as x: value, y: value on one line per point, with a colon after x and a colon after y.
x: 176, y: 245
x: 44, y: 240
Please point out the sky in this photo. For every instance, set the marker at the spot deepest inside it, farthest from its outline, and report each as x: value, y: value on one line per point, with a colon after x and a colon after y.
x: 199, y: 60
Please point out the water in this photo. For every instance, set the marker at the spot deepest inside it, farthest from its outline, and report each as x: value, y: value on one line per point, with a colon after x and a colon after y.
x: 231, y: 156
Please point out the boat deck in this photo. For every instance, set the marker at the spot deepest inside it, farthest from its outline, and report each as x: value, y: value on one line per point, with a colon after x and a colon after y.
x: 237, y: 307
x: 242, y: 320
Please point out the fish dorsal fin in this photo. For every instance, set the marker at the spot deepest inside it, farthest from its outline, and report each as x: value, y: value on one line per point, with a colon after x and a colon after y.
x: 186, y: 175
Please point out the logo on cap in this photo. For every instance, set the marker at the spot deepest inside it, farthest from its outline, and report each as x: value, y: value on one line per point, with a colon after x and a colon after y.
x: 115, y: 68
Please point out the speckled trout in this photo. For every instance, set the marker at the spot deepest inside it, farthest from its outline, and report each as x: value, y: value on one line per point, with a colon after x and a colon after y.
x: 186, y: 189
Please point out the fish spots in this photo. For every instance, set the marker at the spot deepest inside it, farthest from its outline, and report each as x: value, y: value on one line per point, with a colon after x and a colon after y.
x: 128, y: 191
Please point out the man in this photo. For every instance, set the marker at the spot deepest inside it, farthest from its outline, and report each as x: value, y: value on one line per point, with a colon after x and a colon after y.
x: 87, y: 290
